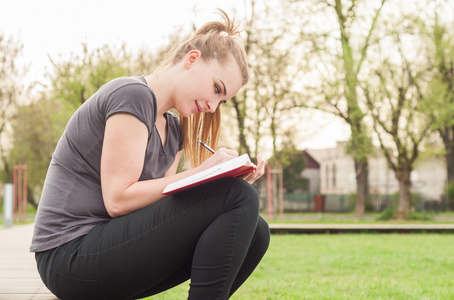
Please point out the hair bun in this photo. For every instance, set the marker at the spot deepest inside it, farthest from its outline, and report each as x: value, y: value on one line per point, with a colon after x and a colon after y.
x: 225, y: 27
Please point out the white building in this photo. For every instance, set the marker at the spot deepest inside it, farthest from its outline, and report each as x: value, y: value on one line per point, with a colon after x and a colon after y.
x: 337, y: 174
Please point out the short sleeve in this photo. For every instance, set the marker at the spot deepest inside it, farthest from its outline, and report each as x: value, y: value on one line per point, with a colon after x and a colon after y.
x: 134, y: 98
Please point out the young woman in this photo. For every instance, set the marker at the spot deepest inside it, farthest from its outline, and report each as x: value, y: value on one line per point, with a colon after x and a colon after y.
x: 105, y: 231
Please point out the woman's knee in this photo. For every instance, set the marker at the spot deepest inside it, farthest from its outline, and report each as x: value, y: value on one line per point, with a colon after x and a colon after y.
x: 240, y: 193
x: 262, y: 234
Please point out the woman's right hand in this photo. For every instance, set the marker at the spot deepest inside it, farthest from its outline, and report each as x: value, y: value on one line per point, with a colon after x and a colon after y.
x: 220, y: 156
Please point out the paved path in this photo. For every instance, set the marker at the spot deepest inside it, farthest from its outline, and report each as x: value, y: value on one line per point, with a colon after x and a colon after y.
x: 19, y: 279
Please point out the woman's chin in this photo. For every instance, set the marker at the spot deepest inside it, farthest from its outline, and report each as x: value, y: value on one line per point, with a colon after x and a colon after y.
x: 187, y: 113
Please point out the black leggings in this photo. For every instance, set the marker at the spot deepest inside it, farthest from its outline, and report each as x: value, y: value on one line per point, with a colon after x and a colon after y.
x: 211, y: 234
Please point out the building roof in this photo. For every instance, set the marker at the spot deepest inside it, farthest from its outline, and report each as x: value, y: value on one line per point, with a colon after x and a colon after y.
x: 311, y: 163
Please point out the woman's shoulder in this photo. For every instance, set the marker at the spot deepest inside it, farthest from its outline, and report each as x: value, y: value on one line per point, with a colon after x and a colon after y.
x: 129, y: 95
x: 128, y: 90
x: 121, y: 82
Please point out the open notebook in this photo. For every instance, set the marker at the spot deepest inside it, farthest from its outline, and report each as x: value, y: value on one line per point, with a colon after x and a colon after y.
x: 231, y: 168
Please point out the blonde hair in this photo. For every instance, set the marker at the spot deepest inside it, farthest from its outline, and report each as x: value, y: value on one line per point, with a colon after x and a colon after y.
x: 215, y: 40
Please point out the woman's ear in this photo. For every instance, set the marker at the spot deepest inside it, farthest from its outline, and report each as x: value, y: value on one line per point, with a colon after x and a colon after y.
x: 191, y: 58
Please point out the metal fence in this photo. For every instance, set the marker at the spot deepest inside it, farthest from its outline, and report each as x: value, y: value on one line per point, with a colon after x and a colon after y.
x: 307, y: 202
x: 304, y: 202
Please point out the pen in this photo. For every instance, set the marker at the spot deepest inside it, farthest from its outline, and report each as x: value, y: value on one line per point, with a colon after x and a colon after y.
x: 206, y: 146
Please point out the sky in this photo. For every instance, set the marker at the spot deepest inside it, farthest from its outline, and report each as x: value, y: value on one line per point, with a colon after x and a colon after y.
x: 57, y: 28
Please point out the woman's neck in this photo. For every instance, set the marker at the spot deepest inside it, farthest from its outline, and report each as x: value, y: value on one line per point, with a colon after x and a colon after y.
x: 162, y: 89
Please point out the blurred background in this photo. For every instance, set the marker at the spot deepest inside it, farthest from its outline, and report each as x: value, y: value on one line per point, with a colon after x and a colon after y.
x: 351, y: 102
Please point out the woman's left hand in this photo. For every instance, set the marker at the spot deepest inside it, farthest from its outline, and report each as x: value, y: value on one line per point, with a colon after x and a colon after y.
x: 257, y: 173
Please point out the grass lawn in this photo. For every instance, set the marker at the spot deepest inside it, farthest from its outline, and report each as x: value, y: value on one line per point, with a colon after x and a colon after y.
x: 353, y: 266
x: 31, y: 212
x: 351, y: 218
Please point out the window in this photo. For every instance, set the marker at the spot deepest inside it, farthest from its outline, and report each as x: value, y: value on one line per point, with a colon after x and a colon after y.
x: 334, y: 175
x: 327, y: 176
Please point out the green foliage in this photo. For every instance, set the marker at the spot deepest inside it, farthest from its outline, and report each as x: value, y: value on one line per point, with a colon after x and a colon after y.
x: 10, y: 91
x: 420, y: 216
x: 10, y: 51
x: 368, y: 203
x: 437, y: 92
x: 352, y: 200
x: 449, y: 191
x: 75, y: 80
x: 360, y: 144
x: 38, y: 125
x: 415, y: 198
x: 293, y: 163
x: 438, y: 101
x: 388, y: 214
x: 37, y: 128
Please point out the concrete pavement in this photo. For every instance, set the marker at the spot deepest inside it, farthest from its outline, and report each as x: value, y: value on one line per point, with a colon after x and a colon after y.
x: 19, y: 278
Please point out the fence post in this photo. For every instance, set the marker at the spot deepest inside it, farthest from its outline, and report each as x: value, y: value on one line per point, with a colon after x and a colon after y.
x: 8, y: 205
x: 281, y: 194
x: 20, y: 192
x: 269, y: 193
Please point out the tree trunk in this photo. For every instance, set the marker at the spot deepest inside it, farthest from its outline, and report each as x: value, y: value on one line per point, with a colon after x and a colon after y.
x: 240, y: 113
x: 362, y: 170
x: 273, y: 135
x: 448, y: 139
x: 8, y: 171
x: 403, y: 206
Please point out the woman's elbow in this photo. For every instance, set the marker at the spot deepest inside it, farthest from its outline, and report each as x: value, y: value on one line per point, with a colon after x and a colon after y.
x: 114, y: 208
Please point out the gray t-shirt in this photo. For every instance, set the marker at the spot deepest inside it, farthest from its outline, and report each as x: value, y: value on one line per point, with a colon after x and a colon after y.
x: 71, y: 203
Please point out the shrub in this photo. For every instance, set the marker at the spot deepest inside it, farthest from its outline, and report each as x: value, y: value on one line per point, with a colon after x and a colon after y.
x: 387, y: 214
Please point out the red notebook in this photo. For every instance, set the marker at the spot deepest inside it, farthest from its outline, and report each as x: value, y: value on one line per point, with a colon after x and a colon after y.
x: 231, y: 168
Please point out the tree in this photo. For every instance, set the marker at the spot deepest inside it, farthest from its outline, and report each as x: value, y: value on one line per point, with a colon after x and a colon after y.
x: 339, y: 71
x: 399, y: 120
x: 439, y: 95
x: 263, y: 105
x: 75, y: 80
x: 37, y: 127
x: 293, y: 162
x: 10, y: 91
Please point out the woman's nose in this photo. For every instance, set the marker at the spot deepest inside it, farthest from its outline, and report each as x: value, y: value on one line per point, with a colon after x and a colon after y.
x: 211, y: 106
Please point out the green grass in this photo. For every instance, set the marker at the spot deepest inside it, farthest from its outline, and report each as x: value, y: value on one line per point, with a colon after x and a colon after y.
x: 356, y: 266
x: 30, y: 209
x: 31, y: 212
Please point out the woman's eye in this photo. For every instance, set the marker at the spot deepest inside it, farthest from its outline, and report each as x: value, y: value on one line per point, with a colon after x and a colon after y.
x: 217, y: 90
x: 222, y: 102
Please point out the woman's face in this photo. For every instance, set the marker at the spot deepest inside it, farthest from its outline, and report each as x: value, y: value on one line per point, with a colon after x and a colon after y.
x: 205, y: 85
